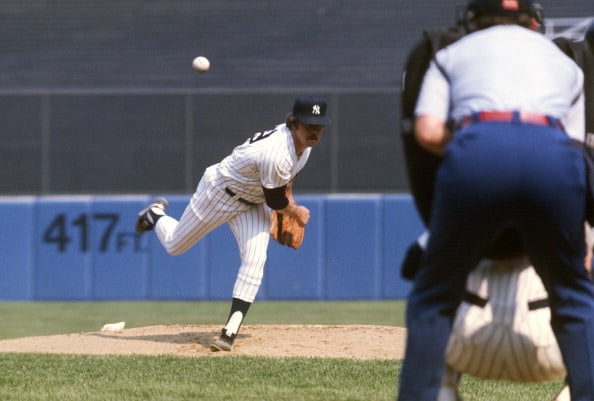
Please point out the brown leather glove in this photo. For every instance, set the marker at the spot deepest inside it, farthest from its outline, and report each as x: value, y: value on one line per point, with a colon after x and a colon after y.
x: 284, y: 228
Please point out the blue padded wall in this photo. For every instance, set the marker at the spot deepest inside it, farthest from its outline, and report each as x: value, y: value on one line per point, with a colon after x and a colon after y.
x: 17, y: 248
x: 85, y: 248
x: 180, y: 277
x: 63, y: 258
x: 352, y: 236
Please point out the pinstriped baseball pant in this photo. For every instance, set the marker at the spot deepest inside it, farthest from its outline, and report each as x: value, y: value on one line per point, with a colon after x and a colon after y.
x: 494, y: 174
x: 209, y: 208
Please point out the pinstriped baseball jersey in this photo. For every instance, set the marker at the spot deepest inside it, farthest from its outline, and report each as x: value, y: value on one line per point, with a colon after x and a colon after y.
x: 266, y: 159
x: 508, y: 335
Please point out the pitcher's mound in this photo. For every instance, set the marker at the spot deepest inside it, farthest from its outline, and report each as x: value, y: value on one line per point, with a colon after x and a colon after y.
x: 335, y: 341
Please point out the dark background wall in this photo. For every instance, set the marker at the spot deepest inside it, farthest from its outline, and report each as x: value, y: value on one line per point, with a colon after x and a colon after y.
x: 99, y: 97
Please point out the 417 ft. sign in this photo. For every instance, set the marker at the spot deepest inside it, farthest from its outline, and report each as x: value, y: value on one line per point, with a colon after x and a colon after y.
x: 90, y: 231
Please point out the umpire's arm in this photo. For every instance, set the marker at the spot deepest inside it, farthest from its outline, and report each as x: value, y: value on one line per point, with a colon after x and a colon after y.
x: 431, y: 133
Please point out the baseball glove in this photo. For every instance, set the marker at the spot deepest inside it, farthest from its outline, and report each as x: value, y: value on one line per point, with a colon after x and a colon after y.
x: 284, y: 229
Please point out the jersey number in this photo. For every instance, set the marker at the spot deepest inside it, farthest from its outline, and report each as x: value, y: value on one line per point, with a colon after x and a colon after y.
x: 261, y: 135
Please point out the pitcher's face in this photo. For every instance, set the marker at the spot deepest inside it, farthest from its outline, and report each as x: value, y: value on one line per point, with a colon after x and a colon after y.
x: 306, y: 136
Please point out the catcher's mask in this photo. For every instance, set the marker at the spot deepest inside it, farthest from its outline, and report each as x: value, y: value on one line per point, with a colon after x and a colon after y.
x: 479, y: 8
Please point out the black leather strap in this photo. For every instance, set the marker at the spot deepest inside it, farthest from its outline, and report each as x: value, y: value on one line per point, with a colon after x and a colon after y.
x: 474, y: 299
x: 244, y: 201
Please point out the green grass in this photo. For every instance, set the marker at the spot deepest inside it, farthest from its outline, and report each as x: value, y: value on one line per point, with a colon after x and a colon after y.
x: 64, y: 378
x: 33, y: 377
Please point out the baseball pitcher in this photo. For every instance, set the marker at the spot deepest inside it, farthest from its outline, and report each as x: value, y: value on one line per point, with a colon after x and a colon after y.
x: 241, y: 191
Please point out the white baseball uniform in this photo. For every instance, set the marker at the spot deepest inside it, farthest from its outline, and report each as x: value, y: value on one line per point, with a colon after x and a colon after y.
x: 231, y: 192
x: 502, y: 330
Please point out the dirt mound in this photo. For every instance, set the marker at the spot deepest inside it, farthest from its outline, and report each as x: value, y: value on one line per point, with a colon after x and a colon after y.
x: 335, y: 341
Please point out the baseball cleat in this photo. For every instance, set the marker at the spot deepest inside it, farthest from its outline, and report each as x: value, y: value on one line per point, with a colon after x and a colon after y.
x: 223, y: 343
x: 147, y: 218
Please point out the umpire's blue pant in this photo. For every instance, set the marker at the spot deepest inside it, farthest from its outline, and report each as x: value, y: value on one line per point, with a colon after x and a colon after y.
x: 495, y: 175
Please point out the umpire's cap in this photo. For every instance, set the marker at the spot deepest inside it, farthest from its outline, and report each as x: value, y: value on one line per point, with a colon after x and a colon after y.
x: 589, y: 38
x: 478, y: 8
x: 311, y: 110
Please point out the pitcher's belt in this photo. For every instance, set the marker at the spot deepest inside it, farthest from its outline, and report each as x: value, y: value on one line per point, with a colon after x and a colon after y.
x: 232, y: 194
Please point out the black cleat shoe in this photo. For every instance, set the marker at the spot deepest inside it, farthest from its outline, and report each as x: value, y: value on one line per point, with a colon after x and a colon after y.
x: 223, y: 343
x: 147, y: 218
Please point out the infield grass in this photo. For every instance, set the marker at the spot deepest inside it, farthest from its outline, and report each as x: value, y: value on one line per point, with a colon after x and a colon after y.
x: 37, y: 377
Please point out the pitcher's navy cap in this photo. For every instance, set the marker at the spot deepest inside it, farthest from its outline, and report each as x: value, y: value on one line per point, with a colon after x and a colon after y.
x: 311, y: 110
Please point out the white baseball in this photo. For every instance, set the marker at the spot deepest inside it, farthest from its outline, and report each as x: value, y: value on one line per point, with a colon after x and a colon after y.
x: 201, y: 64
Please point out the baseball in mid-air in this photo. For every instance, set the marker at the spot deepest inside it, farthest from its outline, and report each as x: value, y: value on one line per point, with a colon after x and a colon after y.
x: 201, y: 64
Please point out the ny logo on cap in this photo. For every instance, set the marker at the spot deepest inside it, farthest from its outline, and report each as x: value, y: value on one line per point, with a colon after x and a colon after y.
x: 315, y: 109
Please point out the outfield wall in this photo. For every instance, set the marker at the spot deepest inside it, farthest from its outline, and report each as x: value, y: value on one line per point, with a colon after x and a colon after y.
x: 85, y: 248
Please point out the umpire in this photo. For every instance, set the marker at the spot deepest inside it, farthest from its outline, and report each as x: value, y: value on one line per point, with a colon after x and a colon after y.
x: 514, y: 99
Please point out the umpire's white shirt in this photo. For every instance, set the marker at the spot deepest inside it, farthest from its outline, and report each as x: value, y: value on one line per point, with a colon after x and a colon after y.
x: 487, y: 70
